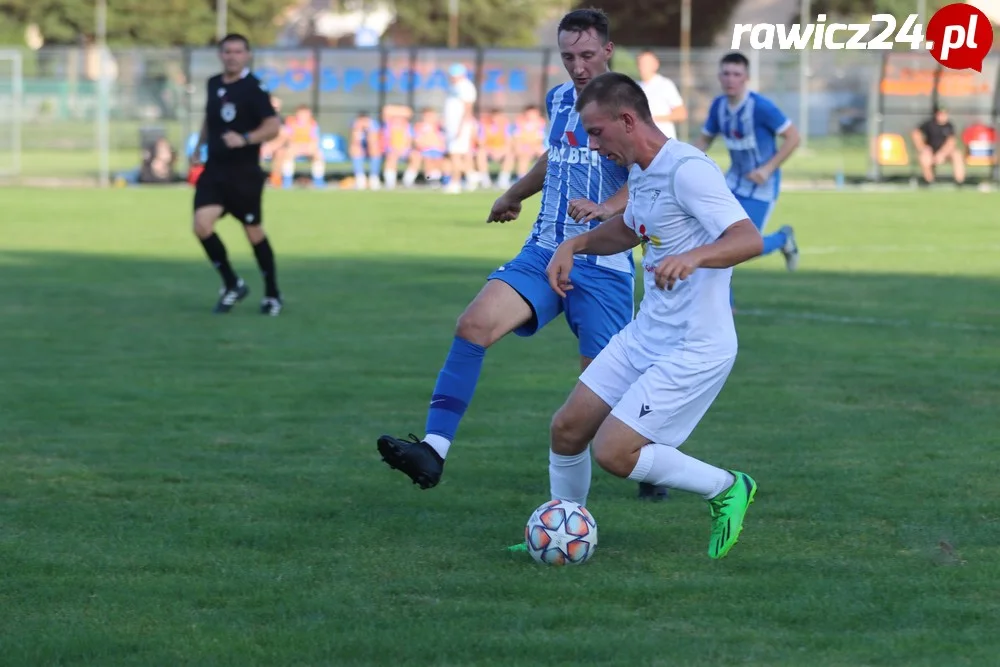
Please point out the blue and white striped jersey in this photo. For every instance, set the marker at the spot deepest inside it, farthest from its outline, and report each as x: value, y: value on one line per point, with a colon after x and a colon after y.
x: 574, y: 171
x: 750, y: 132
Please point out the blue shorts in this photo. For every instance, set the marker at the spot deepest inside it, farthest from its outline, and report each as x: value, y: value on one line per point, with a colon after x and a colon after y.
x: 600, y: 304
x: 758, y: 211
x: 432, y: 155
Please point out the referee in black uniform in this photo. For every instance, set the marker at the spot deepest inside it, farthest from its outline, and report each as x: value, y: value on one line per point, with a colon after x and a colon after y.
x: 238, y: 119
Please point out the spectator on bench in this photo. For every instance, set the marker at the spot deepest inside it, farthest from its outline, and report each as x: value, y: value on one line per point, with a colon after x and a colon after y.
x: 397, y: 139
x: 936, y: 144
x: 159, y: 164
x: 429, y: 144
x: 275, y: 149
x: 366, y: 144
x: 303, y: 141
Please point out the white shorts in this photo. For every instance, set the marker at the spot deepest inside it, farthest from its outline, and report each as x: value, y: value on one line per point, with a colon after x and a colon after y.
x: 661, y: 398
x: 459, y: 139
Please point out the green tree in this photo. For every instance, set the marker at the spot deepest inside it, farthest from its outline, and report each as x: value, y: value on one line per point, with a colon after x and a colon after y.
x: 658, y: 22
x: 497, y: 23
x: 144, y: 22
x: 863, y: 9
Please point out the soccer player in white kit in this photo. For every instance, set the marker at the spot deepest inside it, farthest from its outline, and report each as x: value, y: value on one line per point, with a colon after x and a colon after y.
x: 650, y: 386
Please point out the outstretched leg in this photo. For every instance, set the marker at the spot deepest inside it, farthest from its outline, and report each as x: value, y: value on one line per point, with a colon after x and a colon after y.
x: 640, y: 442
x: 495, y: 312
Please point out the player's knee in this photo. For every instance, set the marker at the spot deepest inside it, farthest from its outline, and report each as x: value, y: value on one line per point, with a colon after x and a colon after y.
x: 255, y: 233
x: 566, y: 436
x: 610, y: 457
x: 475, y: 329
x: 203, y: 226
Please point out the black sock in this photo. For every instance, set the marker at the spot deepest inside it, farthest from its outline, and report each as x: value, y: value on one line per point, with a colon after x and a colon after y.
x: 265, y: 260
x: 216, y: 252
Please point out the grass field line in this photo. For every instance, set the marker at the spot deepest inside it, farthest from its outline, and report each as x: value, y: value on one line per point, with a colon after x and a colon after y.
x: 831, y: 318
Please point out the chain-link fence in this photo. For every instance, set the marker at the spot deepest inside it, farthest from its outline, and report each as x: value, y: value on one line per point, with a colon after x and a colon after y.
x: 837, y: 97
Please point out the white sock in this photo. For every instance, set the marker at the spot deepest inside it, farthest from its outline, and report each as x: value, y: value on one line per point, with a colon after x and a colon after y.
x: 318, y: 170
x: 569, y: 476
x: 409, y: 178
x: 390, y: 178
x: 288, y: 169
x: 661, y: 465
x: 438, y: 443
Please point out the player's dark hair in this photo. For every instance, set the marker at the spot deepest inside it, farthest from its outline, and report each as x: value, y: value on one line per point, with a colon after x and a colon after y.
x: 234, y: 37
x: 582, y: 20
x: 531, y: 107
x: 735, y: 58
x: 615, y: 91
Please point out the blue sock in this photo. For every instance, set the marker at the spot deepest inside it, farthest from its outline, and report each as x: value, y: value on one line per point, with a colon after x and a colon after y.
x: 774, y: 242
x: 375, y: 168
x: 455, y: 385
x: 359, y: 166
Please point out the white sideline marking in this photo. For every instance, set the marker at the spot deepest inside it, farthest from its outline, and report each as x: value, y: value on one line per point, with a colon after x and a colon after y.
x: 871, y: 321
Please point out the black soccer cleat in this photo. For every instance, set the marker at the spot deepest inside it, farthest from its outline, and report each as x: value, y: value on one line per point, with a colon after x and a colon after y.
x: 415, y: 458
x: 271, y: 305
x: 652, y: 492
x: 229, y: 297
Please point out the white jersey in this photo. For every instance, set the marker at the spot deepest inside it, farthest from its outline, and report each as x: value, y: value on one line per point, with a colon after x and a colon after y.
x: 663, y: 97
x: 460, y: 93
x: 679, y: 203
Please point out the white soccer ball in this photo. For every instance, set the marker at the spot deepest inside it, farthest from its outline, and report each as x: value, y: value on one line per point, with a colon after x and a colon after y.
x: 561, y: 532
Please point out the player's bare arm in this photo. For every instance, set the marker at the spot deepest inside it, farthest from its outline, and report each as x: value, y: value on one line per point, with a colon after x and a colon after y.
x: 508, y: 205
x: 678, y: 114
x: 738, y: 243
x: 608, y: 238
x: 790, y: 141
x: 267, y: 130
x: 584, y: 210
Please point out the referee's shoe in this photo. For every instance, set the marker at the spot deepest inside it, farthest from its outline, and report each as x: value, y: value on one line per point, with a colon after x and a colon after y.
x: 271, y: 305
x: 230, y: 296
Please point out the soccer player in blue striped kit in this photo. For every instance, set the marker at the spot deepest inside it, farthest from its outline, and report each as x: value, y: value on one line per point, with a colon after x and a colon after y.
x: 750, y: 125
x: 579, y: 189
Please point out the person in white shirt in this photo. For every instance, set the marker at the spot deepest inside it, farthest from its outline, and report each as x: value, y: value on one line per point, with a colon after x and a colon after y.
x: 649, y: 387
x: 459, y: 127
x: 665, y: 101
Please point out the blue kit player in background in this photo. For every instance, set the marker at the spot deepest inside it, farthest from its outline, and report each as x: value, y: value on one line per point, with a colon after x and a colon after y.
x: 750, y: 124
x: 579, y: 189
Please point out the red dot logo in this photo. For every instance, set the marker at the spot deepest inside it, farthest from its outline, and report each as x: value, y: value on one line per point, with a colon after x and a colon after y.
x: 642, y: 229
x: 959, y: 36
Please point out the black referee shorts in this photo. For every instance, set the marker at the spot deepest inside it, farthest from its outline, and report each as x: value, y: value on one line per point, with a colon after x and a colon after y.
x: 238, y: 189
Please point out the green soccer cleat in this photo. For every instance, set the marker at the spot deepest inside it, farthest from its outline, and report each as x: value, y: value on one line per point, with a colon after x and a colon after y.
x: 520, y: 546
x: 728, y: 509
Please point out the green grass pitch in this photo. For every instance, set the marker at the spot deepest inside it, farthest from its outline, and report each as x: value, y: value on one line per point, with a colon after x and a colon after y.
x: 179, y: 488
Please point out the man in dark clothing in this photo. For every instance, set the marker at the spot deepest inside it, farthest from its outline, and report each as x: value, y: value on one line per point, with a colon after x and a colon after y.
x: 238, y: 119
x: 936, y: 144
